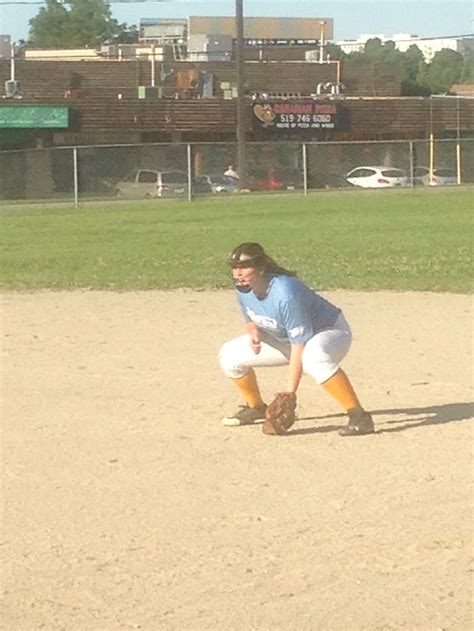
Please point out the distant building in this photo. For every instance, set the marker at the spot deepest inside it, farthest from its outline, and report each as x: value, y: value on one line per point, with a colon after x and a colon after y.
x: 5, y: 46
x: 121, y: 52
x: 463, y: 89
x: 179, y: 31
x: 207, y: 38
x: 428, y: 46
x: 269, y: 28
x: 163, y: 30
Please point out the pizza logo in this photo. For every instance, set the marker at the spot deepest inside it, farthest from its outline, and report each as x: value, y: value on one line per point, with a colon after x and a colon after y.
x: 265, y: 114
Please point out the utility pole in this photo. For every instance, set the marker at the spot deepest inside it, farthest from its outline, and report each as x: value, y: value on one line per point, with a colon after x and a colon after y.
x: 240, y: 70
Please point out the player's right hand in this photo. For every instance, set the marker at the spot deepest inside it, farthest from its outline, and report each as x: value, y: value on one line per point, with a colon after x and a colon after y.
x: 255, y: 343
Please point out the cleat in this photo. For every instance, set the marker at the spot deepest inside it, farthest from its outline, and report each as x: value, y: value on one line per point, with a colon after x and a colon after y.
x: 245, y: 416
x: 360, y: 423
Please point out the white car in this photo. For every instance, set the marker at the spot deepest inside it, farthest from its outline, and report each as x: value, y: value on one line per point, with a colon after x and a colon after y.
x: 377, y: 177
x: 440, y: 177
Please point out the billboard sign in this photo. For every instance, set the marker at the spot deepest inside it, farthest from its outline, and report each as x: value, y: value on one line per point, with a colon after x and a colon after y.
x: 277, y: 28
x: 297, y: 116
x: 34, y: 117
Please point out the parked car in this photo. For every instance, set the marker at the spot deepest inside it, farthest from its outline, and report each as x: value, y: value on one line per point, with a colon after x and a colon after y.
x: 327, y: 180
x: 377, y: 177
x: 151, y: 183
x: 440, y: 177
x: 219, y: 183
x: 201, y: 185
x: 291, y: 178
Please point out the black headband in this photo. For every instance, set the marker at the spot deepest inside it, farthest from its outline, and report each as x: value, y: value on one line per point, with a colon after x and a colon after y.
x: 253, y: 261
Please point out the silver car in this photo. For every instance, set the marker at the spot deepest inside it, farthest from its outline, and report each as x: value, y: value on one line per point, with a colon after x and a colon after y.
x: 151, y: 183
x: 440, y: 177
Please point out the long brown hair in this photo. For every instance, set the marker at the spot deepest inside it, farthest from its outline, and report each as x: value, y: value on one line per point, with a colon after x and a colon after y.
x: 259, y: 258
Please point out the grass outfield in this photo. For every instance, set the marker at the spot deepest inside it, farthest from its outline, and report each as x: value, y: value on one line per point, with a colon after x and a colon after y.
x: 360, y: 240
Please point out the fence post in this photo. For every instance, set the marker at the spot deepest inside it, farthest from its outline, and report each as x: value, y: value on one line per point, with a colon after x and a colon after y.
x: 411, y: 150
x: 432, y: 157
x: 305, y: 171
x: 190, y: 174
x: 76, y: 178
x: 458, y: 144
x: 458, y: 163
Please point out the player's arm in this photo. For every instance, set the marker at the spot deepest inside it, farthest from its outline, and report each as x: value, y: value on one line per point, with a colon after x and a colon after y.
x: 250, y: 327
x: 252, y: 330
x: 299, y: 327
x: 295, y: 369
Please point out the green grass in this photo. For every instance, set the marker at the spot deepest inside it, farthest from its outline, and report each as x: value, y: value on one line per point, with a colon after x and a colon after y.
x: 374, y: 240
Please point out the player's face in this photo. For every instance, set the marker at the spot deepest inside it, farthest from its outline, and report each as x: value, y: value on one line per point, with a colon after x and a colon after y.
x: 244, y: 275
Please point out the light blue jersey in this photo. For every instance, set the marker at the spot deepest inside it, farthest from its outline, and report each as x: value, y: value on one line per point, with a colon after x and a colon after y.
x: 291, y: 311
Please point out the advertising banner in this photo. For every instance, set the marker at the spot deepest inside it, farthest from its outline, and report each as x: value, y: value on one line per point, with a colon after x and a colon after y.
x: 297, y: 116
x: 34, y: 117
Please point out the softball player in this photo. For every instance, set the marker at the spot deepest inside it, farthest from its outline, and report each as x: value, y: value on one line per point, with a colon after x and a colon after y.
x: 287, y: 322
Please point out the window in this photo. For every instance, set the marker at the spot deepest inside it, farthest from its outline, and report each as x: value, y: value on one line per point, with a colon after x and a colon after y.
x: 362, y: 172
x: 393, y: 173
x: 420, y: 171
x: 147, y: 177
x: 444, y: 173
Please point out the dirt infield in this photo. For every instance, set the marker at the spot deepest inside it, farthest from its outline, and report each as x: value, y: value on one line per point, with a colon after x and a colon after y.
x: 128, y: 506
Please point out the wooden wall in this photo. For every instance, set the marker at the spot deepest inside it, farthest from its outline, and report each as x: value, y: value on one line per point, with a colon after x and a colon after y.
x: 98, y: 115
x: 40, y: 79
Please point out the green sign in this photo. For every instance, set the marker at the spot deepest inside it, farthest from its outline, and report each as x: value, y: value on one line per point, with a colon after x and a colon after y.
x: 34, y: 117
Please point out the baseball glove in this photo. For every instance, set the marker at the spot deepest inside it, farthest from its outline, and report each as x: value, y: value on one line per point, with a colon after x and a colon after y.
x: 280, y: 414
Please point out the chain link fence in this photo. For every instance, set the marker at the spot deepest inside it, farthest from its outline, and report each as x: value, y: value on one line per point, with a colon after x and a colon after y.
x: 188, y: 171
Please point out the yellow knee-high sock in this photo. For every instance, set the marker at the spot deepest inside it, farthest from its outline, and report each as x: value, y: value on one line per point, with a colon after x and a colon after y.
x: 340, y: 388
x: 248, y: 388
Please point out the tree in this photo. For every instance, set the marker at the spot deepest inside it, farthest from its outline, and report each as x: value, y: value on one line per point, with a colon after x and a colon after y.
x: 77, y: 23
x: 374, y: 49
x: 418, y: 77
x: 375, y: 52
x: 413, y: 65
x: 47, y: 28
x: 445, y: 69
x: 467, y: 74
x: 334, y: 52
x: 127, y: 34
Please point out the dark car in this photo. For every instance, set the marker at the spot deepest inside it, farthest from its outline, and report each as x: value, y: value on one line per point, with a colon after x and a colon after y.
x: 201, y: 185
x: 221, y: 183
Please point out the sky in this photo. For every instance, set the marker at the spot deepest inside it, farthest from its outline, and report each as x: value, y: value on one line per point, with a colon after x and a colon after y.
x: 425, y: 18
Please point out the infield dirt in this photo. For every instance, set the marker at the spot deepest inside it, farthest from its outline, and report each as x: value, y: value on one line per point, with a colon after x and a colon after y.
x: 126, y: 504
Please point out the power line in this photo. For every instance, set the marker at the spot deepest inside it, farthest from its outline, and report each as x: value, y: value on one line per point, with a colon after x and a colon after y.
x: 25, y: 2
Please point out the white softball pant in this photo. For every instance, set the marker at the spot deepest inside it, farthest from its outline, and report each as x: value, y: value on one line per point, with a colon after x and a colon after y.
x: 321, y: 355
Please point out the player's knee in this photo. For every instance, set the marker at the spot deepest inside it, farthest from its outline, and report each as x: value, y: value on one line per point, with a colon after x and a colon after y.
x: 321, y: 370
x: 229, y: 364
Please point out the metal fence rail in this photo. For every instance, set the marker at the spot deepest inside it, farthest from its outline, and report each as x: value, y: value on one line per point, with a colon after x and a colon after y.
x: 188, y: 171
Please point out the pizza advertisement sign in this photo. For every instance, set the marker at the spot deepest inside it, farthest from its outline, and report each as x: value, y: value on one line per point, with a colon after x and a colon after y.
x: 296, y: 116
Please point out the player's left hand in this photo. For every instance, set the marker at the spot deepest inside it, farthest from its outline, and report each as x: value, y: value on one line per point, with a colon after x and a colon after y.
x: 280, y: 414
